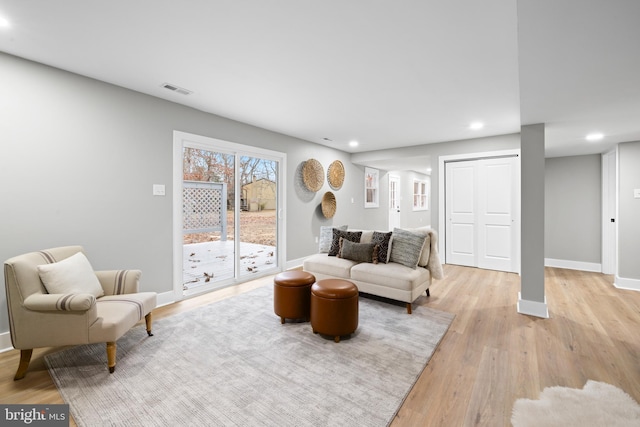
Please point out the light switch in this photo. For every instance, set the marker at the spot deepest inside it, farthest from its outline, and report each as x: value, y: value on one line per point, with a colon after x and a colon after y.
x: 158, y: 190
x: 636, y: 193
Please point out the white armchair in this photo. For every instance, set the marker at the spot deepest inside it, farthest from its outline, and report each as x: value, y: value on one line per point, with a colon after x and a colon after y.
x: 100, y: 306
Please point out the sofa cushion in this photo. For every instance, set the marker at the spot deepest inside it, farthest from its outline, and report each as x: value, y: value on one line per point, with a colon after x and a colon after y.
x: 73, y: 275
x: 406, y: 247
x: 331, y: 266
x: 361, y: 252
x: 118, y: 313
x: 391, y: 275
x: 382, y: 240
x: 326, y: 237
x: 353, y: 236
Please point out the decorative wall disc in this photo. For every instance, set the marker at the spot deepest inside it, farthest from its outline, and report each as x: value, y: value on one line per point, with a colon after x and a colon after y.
x: 312, y: 175
x: 328, y: 204
x: 335, y: 174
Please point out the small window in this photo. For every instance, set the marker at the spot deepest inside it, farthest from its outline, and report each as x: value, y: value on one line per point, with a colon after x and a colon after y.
x: 420, y: 195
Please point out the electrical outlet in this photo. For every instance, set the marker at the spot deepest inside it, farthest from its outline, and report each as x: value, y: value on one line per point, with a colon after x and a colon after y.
x: 158, y: 190
x: 316, y: 239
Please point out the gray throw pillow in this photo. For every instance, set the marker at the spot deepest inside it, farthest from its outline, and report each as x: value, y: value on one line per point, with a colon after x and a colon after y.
x: 353, y: 236
x: 326, y: 237
x: 360, y: 252
x: 406, y: 247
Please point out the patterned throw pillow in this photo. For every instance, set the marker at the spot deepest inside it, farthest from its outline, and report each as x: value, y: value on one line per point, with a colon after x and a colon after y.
x: 406, y: 247
x: 382, y: 240
x: 353, y: 236
x: 326, y: 237
x: 361, y: 252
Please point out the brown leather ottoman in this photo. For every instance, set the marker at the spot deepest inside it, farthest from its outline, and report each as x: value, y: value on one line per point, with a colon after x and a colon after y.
x: 292, y: 294
x: 334, y: 307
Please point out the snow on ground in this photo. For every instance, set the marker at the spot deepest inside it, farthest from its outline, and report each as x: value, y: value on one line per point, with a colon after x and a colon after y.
x: 213, y: 261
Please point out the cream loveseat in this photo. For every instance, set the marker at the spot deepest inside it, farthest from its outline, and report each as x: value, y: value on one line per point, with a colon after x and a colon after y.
x: 402, y: 272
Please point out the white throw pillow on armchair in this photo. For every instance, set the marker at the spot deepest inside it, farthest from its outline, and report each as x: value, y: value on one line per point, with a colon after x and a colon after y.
x: 73, y: 275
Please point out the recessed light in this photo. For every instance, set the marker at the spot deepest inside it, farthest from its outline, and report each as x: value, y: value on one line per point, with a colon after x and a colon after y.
x: 596, y: 136
x: 353, y: 144
x: 476, y: 125
x: 3, y: 22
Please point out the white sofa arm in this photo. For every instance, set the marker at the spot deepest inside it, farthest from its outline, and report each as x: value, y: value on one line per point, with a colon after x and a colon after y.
x: 59, y: 302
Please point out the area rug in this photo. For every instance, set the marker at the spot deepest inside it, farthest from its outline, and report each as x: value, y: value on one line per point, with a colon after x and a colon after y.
x: 597, y: 404
x: 232, y: 363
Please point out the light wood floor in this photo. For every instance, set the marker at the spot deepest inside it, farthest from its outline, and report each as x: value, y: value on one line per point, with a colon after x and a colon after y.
x: 490, y: 356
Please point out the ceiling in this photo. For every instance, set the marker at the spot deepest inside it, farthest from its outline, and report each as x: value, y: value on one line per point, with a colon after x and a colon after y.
x: 385, y: 74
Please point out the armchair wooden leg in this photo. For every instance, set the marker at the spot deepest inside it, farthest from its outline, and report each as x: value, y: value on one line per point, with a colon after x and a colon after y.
x: 111, y: 356
x: 25, y: 358
x: 428, y: 293
x: 148, y: 320
x: 408, y: 308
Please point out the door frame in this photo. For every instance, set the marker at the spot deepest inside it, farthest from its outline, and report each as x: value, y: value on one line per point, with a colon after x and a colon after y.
x: 609, y: 211
x: 208, y: 143
x: 442, y: 160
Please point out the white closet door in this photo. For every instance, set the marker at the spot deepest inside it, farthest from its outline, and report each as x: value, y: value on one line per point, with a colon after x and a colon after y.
x: 482, y: 213
x: 461, y: 213
x: 496, y: 217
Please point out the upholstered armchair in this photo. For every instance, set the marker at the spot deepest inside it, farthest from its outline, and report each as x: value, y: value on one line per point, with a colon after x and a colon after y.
x: 55, y: 299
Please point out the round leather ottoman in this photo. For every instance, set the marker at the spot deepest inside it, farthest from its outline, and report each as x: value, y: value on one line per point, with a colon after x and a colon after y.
x: 292, y: 294
x: 334, y: 307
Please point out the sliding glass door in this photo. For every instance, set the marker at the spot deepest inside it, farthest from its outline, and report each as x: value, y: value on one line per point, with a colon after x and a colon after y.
x: 229, y: 213
x: 258, y: 227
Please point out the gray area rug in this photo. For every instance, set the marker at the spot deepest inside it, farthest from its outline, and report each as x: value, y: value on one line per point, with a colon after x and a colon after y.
x: 232, y: 363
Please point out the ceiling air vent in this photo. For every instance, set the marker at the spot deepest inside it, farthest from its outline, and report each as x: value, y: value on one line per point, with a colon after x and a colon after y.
x: 177, y: 89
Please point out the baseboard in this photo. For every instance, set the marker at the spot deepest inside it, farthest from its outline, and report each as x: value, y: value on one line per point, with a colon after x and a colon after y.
x: 5, y: 342
x: 628, y: 284
x: 165, y: 298
x: 573, y: 265
x: 294, y: 263
x: 533, y: 308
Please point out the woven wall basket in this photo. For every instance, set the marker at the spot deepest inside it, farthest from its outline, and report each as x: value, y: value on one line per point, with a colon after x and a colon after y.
x: 312, y: 175
x: 335, y: 174
x: 328, y: 204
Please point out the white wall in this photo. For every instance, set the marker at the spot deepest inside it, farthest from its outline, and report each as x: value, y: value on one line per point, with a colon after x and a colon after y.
x: 78, y: 159
x: 434, y: 151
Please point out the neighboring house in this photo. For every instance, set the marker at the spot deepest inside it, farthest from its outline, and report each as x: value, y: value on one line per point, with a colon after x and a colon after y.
x: 258, y: 195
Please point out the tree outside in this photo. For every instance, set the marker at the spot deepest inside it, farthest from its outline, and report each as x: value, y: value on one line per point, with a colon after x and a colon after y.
x: 257, y: 210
